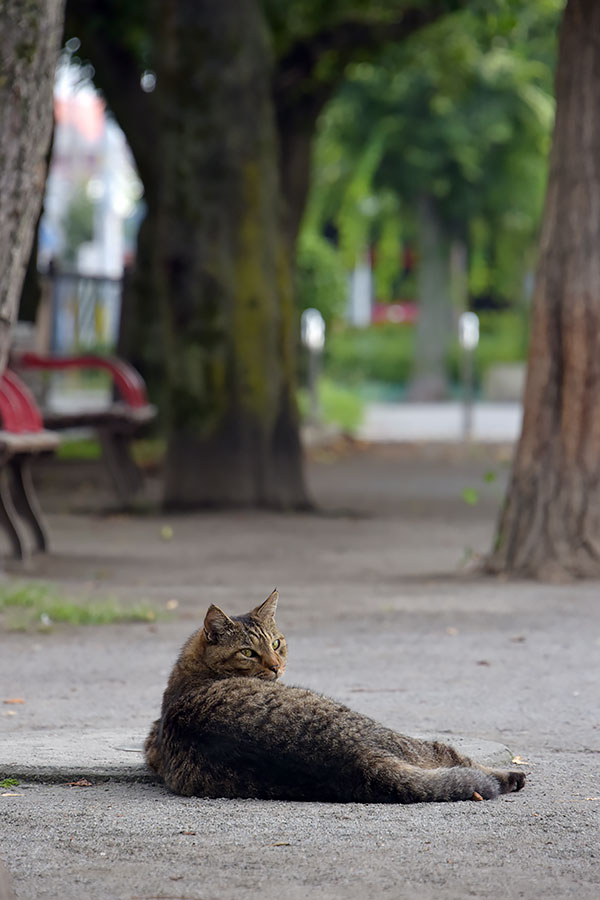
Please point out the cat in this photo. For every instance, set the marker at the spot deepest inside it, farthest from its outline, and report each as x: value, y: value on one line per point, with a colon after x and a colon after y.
x: 230, y: 728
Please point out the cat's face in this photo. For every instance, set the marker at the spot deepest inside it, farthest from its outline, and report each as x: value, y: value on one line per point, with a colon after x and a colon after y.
x: 251, y: 645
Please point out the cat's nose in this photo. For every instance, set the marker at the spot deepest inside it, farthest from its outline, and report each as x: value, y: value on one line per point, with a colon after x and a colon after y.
x: 275, y: 668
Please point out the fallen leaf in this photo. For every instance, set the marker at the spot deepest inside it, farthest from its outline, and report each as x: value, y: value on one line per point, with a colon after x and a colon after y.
x: 281, y: 844
x: 83, y: 782
x: 476, y: 796
x: 470, y: 496
x: 14, y: 700
x: 519, y: 762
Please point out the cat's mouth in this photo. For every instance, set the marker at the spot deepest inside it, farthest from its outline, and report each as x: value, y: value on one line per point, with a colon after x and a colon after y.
x: 269, y: 675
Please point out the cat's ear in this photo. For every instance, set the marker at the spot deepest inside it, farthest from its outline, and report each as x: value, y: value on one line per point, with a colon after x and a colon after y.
x: 266, y: 611
x: 215, y: 623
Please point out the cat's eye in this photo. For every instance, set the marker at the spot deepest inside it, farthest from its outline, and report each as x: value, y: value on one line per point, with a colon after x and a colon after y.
x: 275, y: 645
x: 246, y: 651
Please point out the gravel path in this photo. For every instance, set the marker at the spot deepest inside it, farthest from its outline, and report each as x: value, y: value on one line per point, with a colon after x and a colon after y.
x: 378, y: 614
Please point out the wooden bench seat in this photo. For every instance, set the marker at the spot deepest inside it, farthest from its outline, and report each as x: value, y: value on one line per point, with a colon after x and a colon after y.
x: 22, y: 438
x: 116, y: 424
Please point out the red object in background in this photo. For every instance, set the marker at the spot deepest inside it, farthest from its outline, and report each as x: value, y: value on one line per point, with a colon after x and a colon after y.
x: 396, y: 313
x: 128, y: 382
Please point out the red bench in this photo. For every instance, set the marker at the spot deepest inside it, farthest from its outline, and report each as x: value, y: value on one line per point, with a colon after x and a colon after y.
x: 22, y: 437
x: 116, y: 424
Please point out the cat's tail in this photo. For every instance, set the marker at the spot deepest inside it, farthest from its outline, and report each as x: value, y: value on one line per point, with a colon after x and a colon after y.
x: 457, y: 783
x: 405, y: 783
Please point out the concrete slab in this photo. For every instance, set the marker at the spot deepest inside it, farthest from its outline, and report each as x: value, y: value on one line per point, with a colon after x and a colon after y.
x: 62, y: 756
x: 407, y: 422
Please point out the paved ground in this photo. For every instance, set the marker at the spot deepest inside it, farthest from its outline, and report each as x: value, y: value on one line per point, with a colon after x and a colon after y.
x: 380, y: 614
x: 489, y: 422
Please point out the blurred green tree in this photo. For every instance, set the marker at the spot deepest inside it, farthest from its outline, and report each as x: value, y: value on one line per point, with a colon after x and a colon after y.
x: 444, y: 140
x: 550, y: 524
x: 29, y: 42
x: 220, y: 126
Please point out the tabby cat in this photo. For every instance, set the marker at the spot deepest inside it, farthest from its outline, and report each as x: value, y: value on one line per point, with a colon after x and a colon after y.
x: 229, y: 728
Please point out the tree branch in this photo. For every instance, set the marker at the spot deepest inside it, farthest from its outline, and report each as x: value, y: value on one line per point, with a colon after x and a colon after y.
x: 300, y: 93
x: 295, y: 73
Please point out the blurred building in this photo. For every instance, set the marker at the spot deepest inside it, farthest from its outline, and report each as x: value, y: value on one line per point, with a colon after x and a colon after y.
x: 92, y: 209
x: 91, y: 169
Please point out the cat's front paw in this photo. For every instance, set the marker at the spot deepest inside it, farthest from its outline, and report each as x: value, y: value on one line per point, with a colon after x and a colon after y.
x: 510, y: 781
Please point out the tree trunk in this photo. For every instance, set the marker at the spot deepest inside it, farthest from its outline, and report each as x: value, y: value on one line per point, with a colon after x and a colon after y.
x: 30, y: 39
x: 435, y: 306
x: 214, y: 274
x: 550, y: 524
x: 208, y: 314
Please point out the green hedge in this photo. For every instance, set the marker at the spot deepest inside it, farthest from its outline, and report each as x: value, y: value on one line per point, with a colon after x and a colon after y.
x: 339, y: 405
x: 384, y: 353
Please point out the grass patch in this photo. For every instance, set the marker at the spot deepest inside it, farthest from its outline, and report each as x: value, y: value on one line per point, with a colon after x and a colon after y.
x: 84, y: 449
x: 29, y: 606
x: 147, y: 452
x: 338, y: 405
x: 9, y: 782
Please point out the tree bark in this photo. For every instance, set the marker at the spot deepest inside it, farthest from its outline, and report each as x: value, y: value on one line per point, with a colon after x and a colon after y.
x: 550, y: 525
x: 215, y: 279
x: 30, y: 39
x: 435, y: 305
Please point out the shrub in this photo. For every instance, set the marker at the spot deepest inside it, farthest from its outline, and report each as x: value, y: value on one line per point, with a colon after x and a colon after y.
x: 384, y: 353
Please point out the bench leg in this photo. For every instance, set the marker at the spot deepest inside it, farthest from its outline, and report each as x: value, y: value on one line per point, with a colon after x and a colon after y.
x: 8, y: 516
x: 116, y: 452
x: 26, y: 501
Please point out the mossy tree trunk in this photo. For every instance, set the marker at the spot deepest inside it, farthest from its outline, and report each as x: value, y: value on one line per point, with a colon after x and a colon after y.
x: 223, y: 149
x: 214, y: 276
x: 30, y: 33
x: 550, y: 524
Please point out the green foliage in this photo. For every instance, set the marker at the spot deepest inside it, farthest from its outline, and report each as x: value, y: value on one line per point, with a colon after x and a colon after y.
x: 320, y: 277
x: 463, y: 111
x: 384, y: 353
x: 379, y: 353
x: 338, y: 405
x: 86, y: 449
x: 9, y: 782
x: 503, y: 338
x: 146, y: 451
x: 470, y: 495
x: 34, y: 605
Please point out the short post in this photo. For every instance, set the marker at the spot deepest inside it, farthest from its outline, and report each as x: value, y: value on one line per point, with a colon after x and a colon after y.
x: 312, y: 326
x: 468, y: 338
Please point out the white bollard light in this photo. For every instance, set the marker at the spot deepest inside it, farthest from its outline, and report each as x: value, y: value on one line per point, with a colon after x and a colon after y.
x: 468, y: 338
x: 312, y: 330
